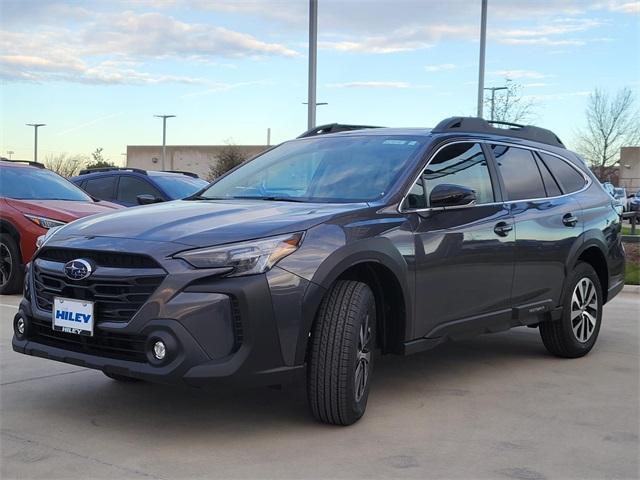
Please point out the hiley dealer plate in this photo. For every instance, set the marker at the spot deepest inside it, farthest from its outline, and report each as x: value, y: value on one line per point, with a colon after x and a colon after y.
x: 72, y: 316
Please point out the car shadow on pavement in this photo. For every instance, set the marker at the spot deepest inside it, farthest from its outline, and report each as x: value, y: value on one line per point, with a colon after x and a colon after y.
x: 452, y: 369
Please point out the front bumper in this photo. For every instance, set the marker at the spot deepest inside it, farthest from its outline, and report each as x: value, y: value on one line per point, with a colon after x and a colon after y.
x: 241, y: 330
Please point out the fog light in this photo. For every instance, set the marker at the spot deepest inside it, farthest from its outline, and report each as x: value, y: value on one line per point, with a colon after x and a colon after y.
x: 159, y: 350
x: 20, y: 326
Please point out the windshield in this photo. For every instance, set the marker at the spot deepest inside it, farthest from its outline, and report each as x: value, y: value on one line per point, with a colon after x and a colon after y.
x: 179, y: 186
x: 38, y: 184
x: 329, y: 169
x: 618, y: 192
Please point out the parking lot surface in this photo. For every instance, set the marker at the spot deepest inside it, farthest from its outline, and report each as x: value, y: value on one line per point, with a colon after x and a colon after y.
x: 497, y: 406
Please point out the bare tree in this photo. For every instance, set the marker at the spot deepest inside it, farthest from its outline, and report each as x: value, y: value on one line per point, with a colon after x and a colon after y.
x: 612, y: 122
x: 229, y: 157
x: 65, y: 165
x: 510, y: 105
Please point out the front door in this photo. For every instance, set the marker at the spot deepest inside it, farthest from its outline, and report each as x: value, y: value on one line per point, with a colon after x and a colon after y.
x: 464, y: 255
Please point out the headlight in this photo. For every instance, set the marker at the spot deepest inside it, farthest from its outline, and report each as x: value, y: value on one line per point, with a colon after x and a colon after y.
x: 246, y: 258
x: 42, y: 239
x: 44, y: 222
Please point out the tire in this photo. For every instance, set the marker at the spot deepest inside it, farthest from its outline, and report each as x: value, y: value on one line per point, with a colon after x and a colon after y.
x: 575, y: 337
x: 122, y: 378
x: 341, y: 354
x: 11, y: 272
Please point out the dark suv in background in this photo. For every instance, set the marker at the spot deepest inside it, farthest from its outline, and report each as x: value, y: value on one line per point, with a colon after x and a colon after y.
x: 308, y: 258
x: 133, y: 186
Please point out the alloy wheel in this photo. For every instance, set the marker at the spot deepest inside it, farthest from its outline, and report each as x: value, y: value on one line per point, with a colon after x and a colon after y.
x: 363, y: 360
x: 584, y: 310
x: 5, y: 264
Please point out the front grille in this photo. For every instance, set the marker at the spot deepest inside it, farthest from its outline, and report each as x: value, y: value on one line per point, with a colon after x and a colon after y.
x: 100, y: 258
x: 117, y: 294
x: 103, y: 344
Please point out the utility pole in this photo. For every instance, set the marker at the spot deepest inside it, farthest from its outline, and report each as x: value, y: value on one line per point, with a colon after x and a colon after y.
x: 164, y: 138
x: 35, y: 140
x: 493, y: 99
x: 483, y: 46
x: 313, y: 61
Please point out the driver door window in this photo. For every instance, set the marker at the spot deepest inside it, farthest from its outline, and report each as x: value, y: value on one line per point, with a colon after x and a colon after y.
x: 461, y: 164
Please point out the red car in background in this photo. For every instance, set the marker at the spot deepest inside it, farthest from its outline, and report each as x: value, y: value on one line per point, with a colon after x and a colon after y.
x: 33, y: 200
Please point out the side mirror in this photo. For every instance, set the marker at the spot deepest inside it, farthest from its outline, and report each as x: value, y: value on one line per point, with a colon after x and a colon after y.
x: 448, y: 195
x: 147, y: 199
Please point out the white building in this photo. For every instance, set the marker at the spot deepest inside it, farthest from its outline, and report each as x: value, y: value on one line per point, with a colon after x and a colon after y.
x: 190, y: 158
x: 630, y: 168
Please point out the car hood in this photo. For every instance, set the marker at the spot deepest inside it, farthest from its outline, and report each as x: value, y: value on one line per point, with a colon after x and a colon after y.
x: 63, y: 210
x: 207, y: 222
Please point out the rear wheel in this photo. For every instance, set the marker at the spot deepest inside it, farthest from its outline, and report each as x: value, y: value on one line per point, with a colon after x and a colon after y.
x: 340, y: 360
x: 575, y: 334
x: 11, y: 273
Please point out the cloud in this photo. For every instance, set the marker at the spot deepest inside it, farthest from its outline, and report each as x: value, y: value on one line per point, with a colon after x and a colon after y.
x: 518, y: 74
x: 624, y: 7
x: 216, y: 87
x: 376, y: 84
x: 110, y: 48
x: 440, y: 68
x: 544, y: 41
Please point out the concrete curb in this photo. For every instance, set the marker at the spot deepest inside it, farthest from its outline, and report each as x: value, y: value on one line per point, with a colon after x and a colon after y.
x: 632, y: 289
x: 631, y: 238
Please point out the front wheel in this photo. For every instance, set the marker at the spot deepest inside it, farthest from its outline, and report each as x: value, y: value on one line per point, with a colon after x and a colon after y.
x: 340, y: 360
x: 11, y: 273
x: 575, y: 334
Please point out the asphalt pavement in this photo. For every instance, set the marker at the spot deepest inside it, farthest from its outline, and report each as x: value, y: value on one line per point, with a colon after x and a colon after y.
x: 497, y: 406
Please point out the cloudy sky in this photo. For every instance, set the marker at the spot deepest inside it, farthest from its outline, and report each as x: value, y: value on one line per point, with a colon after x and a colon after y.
x: 96, y: 71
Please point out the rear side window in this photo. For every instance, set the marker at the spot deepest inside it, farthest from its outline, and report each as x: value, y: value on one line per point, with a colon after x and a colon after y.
x: 130, y: 187
x: 567, y: 176
x: 101, y: 188
x: 520, y: 173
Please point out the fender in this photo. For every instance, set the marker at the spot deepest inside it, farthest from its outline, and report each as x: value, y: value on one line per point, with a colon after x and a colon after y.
x: 378, y: 250
x: 588, y: 239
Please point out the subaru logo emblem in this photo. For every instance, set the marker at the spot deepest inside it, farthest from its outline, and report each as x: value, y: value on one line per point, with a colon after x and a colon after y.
x: 77, y: 269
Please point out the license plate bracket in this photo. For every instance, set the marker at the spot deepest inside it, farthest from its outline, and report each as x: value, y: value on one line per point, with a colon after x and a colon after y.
x: 72, y: 316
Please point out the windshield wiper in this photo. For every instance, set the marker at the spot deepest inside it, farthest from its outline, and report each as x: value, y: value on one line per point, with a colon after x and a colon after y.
x: 270, y: 198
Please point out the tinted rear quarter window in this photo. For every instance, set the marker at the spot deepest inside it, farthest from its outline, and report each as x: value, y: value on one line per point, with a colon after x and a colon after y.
x: 101, y: 188
x: 520, y: 173
x: 568, y: 177
x: 550, y: 184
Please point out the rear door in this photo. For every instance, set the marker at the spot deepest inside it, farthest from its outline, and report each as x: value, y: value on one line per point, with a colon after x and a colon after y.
x: 130, y: 186
x: 547, y: 225
x: 464, y: 255
x: 102, y: 187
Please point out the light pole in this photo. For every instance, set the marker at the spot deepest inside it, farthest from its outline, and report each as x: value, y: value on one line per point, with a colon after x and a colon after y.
x: 483, y: 46
x: 164, y: 137
x: 493, y: 98
x: 313, y: 60
x: 35, y: 141
x: 10, y: 152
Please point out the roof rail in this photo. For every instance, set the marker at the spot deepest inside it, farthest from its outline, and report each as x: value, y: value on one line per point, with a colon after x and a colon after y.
x: 28, y: 162
x: 333, y: 128
x: 110, y: 169
x: 479, y: 125
x: 188, y: 174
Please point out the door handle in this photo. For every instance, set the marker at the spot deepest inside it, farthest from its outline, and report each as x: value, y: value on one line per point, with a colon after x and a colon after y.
x: 502, y: 229
x: 570, y: 220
